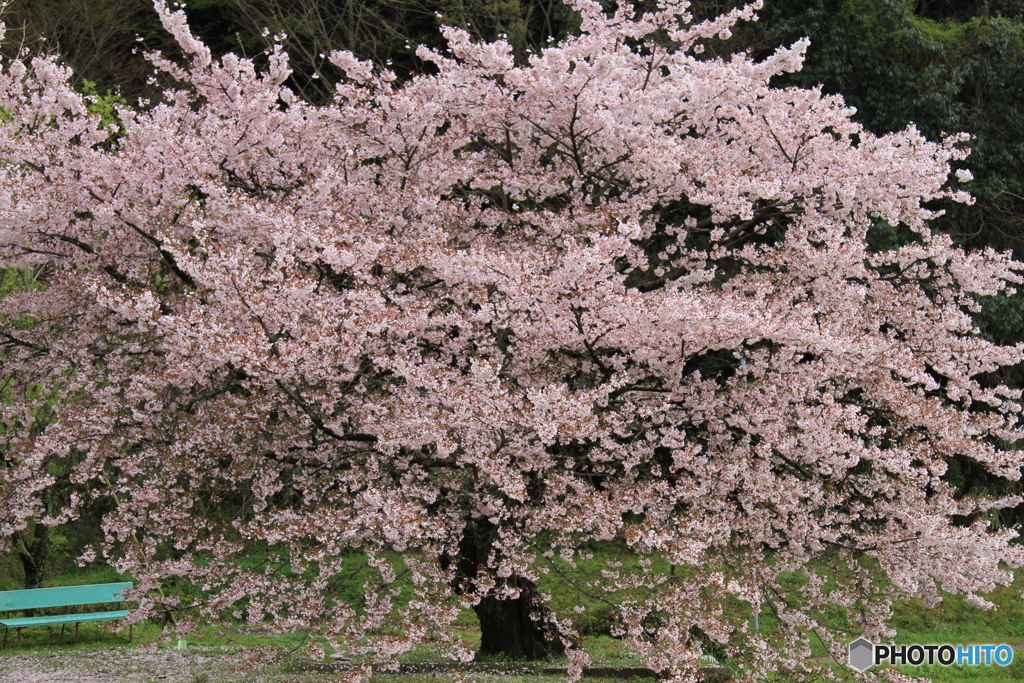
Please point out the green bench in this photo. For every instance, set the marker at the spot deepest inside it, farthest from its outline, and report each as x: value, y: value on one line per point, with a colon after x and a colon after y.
x: 64, y: 596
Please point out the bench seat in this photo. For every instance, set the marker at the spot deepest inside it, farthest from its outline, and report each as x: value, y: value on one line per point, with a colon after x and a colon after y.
x: 64, y: 619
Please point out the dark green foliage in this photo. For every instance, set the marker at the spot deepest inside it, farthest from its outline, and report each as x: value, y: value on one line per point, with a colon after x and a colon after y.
x: 965, y: 9
x: 942, y: 74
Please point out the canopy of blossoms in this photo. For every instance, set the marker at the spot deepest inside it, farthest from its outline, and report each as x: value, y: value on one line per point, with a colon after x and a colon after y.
x: 621, y: 293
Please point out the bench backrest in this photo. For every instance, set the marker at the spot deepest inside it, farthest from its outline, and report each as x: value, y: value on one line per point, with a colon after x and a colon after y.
x: 63, y: 596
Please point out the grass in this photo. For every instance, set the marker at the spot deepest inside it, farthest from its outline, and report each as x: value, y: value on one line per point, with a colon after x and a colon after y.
x: 955, y: 621
x: 217, y: 654
x: 958, y: 623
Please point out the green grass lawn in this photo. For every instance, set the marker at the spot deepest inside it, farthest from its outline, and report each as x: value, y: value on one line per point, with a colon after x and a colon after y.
x: 219, y: 654
x: 958, y: 623
x: 247, y: 654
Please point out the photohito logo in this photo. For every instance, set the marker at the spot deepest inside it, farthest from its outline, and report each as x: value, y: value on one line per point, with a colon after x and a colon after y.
x: 864, y: 654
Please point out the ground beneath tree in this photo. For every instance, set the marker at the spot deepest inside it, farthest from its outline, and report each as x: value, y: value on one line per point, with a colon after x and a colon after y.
x: 119, y: 665
x: 714, y: 674
x: 211, y: 664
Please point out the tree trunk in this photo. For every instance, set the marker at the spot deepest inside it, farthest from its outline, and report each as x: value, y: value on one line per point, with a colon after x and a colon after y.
x: 517, y: 628
x: 514, y: 629
x: 33, y: 554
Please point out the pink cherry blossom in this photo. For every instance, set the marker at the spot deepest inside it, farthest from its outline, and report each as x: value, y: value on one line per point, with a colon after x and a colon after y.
x: 622, y: 293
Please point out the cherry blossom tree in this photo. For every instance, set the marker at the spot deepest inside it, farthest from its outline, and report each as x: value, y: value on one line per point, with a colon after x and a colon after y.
x: 443, y: 336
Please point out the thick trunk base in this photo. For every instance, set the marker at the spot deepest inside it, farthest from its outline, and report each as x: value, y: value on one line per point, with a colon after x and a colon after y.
x: 516, y: 629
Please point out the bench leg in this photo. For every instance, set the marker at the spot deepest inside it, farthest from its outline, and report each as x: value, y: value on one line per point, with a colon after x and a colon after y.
x: 5, y: 635
x: 62, y: 631
x: 130, y: 626
x: 76, y: 631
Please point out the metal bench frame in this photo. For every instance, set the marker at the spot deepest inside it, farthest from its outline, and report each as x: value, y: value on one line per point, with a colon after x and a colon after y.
x: 62, y: 596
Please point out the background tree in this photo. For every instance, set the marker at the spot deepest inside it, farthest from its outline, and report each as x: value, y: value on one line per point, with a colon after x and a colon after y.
x: 388, y: 33
x: 100, y: 39
x: 943, y: 70
x: 456, y: 327
x: 97, y: 36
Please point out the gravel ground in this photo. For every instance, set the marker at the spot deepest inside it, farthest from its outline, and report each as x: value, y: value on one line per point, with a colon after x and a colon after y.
x: 122, y: 665
x: 211, y: 664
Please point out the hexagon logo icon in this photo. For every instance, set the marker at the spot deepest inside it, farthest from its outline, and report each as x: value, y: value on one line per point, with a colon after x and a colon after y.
x: 862, y: 654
